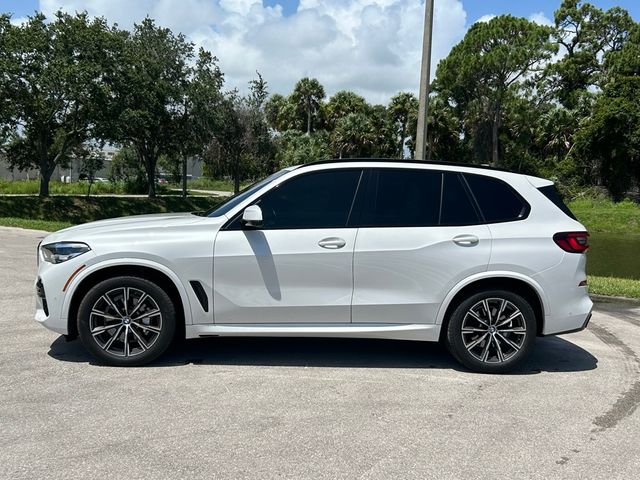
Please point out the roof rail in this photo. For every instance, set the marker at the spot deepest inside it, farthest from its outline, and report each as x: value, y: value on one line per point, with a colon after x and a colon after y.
x: 398, y: 160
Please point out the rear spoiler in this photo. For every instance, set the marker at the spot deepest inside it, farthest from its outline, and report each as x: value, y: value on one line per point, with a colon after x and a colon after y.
x: 539, y: 182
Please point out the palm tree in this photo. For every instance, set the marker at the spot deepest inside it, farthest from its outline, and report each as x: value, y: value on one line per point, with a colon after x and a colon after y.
x: 402, y: 107
x: 307, y: 95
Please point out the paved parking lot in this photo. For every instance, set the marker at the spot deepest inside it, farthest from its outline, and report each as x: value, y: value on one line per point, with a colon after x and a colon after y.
x: 291, y: 408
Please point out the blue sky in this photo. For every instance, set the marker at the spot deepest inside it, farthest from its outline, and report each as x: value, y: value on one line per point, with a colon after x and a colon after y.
x: 474, y: 8
x: 372, y: 47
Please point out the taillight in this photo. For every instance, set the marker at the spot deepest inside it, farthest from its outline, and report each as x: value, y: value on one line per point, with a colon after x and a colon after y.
x: 572, y: 242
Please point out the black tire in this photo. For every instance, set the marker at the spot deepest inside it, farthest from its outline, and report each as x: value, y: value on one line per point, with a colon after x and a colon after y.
x: 144, y: 335
x: 500, y: 342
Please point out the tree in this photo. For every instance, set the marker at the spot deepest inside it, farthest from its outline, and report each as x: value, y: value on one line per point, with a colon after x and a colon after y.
x: 296, y: 148
x: 149, y: 91
x: 54, y: 84
x: 402, y: 107
x: 489, y: 65
x: 342, y: 104
x: 585, y: 34
x: 611, y: 135
x: 353, y: 135
x: 91, y: 160
x: 307, y: 96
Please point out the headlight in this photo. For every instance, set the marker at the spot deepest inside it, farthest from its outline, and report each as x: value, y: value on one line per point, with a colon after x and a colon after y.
x: 63, y: 251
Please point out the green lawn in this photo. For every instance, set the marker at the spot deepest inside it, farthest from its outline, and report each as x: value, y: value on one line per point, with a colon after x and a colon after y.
x: 74, y: 210
x: 46, y: 225
x: 601, y: 215
x: 618, y: 287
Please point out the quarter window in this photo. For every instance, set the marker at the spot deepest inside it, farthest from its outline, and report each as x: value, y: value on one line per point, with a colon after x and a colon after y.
x: 497, y: 200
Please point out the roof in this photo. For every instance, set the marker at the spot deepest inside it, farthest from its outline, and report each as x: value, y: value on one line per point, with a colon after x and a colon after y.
x: 414, y: 162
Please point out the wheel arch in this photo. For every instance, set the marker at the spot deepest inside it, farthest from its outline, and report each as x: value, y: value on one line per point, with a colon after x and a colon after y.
x: 519, y: 284
x: 158, y: 274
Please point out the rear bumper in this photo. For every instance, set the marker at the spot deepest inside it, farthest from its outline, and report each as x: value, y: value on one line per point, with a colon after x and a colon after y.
x: 584, y: 325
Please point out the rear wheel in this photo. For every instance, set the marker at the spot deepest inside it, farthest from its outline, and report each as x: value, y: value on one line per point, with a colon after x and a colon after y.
x: 491, y: 331
x: 126, y: 321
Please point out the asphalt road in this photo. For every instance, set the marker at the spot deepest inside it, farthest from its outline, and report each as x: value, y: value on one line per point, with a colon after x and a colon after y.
x: 274, y: 408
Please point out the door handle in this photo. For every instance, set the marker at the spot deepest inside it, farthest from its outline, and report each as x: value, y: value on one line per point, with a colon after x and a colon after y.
x: 332, y: 243
x: 466, y: 240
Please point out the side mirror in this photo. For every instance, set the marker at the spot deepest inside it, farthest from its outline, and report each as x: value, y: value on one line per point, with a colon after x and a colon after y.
x: 252, y: 216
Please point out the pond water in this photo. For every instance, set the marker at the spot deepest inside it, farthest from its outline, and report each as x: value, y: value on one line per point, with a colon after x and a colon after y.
x: 614, y: 255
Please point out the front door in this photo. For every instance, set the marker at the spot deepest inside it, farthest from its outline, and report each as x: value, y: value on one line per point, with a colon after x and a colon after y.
x: 296, y: 267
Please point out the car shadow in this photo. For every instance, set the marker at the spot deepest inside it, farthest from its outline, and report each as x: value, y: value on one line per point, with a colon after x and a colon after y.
x: 550, y: 354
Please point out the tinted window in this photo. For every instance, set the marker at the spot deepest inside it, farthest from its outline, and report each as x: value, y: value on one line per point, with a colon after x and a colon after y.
x: 457, y: 208
x: 314, y: 200
x: 402, y: 198
x: 497, y: 200
x: 552, y: 194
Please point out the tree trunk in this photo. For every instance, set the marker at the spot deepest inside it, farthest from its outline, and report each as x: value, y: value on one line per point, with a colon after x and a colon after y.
x: 45, y: 177
x: 309, y: 120
x: 401, y: 146
x: 494, y: 140
x: 236, y: 176
x: 151, y: 176
x: 89, y: 189
x: 184, y: 178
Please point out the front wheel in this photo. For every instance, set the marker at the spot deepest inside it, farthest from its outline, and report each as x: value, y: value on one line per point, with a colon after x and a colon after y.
x: 491, y: 331
x: 126, y: 321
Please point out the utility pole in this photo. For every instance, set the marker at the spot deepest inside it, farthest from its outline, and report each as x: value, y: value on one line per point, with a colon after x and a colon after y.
x: 425, y: 71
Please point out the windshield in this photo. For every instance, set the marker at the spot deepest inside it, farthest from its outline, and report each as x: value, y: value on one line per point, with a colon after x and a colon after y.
x: 224, y: 207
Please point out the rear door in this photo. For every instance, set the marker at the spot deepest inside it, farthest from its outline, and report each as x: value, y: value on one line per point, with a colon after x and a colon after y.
x: 297, y: 267
x: 420, y: 234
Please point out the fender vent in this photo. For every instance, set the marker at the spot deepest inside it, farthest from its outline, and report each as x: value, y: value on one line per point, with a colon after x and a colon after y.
x: 201, y: 294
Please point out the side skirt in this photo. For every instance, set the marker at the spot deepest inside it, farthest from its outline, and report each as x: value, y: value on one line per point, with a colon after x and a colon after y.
x: 417, y: 332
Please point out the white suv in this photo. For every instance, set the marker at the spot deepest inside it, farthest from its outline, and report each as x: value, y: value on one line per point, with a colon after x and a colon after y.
x: 482, y: 259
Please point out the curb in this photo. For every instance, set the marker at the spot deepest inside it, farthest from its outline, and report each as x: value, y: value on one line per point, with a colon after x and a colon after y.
x: 609, y: 299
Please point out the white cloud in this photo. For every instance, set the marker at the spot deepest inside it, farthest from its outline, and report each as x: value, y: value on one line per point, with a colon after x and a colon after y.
x: 541, y: 19
x: 18, y: 20
x: 370, y: 46
x: 486, y: 18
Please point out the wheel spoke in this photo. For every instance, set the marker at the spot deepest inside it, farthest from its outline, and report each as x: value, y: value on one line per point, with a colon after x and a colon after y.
x: 147, y: 327
x: 473, y: 330
x: 477, y: 318
x: 139, y: 304
x: 106, y: 316
x: 520, y: 331
x: 99, y: 330
x: 509, y: 342
x: 112, y: 339
x: 499, y: 350
x: 141, y: 342
x: 485, y: 352
x: 477, y: 341
x: 501, y: 310
x: 146, y: 315
x: 485, y: 303
x: 126, y: 340
x: 106, y: 298
x: 126, y: 301
x: 513, y: 316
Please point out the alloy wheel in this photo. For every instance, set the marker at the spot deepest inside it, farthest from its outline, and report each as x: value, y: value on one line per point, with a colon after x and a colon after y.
x: 125, y: 321
x: 494, y: 330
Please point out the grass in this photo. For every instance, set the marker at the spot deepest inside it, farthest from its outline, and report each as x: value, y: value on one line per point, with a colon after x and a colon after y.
x: 46, y: 225
x: 618, y: 287
x: 601, y: 215
x: 202, y: 183
x: 74, y: 210
x: 31, y: 187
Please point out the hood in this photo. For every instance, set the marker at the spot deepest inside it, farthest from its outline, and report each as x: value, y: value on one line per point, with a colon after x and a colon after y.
x: 123, y: 226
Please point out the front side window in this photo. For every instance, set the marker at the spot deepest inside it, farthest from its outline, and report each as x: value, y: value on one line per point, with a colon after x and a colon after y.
x: 402, y: 198
x: 314, y: 200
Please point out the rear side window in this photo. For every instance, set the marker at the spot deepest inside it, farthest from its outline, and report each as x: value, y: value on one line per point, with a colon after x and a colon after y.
x: 402, y: 198
x: 498, y: 202
x: 552, y: 194
x: 456, y: 208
